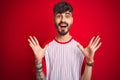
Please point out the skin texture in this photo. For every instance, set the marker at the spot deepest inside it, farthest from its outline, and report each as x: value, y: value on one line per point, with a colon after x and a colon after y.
x: 63, y: 24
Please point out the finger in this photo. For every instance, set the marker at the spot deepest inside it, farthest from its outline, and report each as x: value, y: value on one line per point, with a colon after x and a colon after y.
x: 30, y: 43
x: 96, y: 43
x: 45, y: 47
x: 91, y: 41
x: 95, y: 40
x: 36, y: 40
x: 98, y: 46
x: 32, y: 40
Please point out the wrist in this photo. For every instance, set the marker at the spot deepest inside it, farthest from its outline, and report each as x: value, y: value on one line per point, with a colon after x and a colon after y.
x: 39, y: 66
x: 37, y: 61
x: 90, y: 62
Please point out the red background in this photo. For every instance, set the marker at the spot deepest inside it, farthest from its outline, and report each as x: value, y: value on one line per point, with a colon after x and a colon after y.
x: 21, y: 18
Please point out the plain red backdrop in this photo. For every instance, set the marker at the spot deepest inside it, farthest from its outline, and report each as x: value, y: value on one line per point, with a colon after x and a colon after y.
x: 21, y: 18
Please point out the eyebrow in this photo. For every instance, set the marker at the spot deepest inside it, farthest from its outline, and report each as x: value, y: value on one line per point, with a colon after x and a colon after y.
x: 65, y: 13
x: 68, y: 13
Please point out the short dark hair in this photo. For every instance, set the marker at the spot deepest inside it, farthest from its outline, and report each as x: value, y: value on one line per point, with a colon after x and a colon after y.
x: 62, y: 7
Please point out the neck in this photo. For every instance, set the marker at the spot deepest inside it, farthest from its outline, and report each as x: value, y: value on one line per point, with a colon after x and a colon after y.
x: 63, y: 38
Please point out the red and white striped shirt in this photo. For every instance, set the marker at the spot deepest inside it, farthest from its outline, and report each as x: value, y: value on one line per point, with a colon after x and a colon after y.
x: 63, y: 60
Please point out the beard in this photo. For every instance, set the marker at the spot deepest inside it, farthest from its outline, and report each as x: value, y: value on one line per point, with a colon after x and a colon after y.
x: 61, y: 31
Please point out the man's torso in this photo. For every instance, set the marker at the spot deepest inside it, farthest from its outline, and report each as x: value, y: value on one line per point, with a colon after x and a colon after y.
x: 63, y: 61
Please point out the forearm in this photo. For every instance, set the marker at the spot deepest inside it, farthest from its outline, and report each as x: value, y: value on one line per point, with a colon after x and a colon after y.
x: 88, y: 70
x: 39, y: 71
x: 87, y: 73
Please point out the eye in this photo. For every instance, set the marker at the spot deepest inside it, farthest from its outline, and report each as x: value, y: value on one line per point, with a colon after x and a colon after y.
x: 67, y: 16
x: 58, y: 16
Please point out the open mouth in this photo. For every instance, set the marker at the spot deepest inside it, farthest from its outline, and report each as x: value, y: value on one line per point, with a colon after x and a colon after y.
x: 63, y: 25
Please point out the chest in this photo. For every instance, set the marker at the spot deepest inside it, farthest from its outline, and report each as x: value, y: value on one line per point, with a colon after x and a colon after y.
x: 64, y: 54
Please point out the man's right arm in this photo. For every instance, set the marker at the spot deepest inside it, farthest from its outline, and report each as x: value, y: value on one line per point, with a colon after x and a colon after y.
x: 39, y: 71
x: 39, y: 54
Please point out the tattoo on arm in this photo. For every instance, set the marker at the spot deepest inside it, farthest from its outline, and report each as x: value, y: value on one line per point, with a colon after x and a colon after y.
x: 39, y: 72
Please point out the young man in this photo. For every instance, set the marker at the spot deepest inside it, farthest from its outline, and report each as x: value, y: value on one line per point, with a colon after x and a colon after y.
x: 63, y: 55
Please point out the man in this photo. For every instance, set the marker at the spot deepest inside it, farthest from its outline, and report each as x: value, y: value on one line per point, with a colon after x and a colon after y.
x: 64, y: 55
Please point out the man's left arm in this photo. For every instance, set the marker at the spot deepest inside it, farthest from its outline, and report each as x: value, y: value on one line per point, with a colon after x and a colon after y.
x: 89, y: 53
x: 87, y: 71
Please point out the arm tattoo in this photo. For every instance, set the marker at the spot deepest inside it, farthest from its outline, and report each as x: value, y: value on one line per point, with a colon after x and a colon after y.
x: 39, y: 72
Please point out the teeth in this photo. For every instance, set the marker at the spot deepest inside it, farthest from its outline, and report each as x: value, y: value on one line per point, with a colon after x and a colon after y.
x: 63, y: 25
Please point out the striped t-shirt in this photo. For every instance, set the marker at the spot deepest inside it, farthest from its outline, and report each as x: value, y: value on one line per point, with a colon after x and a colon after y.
x: 63, y: 60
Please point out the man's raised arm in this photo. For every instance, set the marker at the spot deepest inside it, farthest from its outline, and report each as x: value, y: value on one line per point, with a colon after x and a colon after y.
x: 89, y: 53
x: 39, y: 54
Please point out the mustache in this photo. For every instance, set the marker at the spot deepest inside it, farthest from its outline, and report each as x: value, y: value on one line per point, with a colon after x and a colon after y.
x: 63, y: 23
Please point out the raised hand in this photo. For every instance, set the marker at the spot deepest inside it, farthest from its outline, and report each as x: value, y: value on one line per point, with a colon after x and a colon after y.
x: 38, y: 51
x: 90, y: 50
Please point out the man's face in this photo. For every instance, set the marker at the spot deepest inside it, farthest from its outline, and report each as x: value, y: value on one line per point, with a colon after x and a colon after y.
x: 63, y: 22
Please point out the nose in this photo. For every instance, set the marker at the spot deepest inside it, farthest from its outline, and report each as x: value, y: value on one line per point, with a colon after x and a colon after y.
x: 63, y: 19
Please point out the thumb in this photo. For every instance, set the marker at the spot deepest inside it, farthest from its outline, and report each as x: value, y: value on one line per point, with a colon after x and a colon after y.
x: 45, y: 47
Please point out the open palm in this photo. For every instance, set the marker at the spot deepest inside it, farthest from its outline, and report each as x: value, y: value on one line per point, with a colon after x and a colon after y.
x: 90, y: 50
x: 38, y: 51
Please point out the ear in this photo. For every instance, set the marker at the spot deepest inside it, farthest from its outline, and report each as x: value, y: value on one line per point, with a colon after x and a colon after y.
x: 53, y: 20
